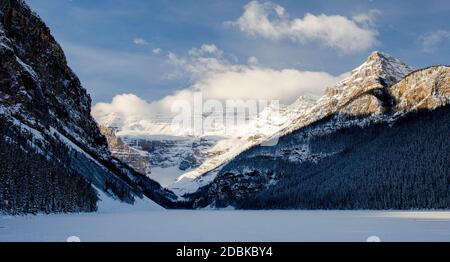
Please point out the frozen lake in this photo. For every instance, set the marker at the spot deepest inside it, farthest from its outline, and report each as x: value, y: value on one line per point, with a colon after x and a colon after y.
x: 230, y: 225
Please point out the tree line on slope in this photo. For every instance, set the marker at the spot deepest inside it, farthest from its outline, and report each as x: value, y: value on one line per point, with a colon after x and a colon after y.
x: 403, y: 166
x: 31, y: 183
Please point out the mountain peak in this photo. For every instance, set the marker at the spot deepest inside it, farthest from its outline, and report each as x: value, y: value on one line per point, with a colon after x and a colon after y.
x: 378, y: 55
x: 383, y: 67
x: 380, y: 69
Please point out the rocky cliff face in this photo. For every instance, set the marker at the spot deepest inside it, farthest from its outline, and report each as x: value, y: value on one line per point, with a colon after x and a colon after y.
x: 137, y: 159
x: 37, y: 85
x: 427, y: 88
x: 43, y: 102
x: 366, y: 133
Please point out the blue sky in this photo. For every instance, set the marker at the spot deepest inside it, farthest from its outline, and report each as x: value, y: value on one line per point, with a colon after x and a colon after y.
x: 123, y: 46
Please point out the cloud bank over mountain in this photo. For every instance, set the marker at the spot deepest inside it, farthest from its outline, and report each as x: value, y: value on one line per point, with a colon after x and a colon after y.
x: 272, y: 21
x: 216, y: 76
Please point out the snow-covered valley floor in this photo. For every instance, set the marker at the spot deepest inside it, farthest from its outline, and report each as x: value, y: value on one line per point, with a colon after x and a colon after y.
x: 230, y: 225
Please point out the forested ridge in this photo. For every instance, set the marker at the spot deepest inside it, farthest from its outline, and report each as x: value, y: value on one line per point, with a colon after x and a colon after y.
x: 32, y: 183
x: 401, y: 165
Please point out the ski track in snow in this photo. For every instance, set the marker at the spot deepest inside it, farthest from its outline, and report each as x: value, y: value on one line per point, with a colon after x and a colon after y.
x: 230, y: 225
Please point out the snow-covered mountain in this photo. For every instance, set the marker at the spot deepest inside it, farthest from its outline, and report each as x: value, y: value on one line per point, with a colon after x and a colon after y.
x: 45, y: 112
x: 378, y: 71
x: 282, y: 157
x: 178, y: 158
x: 270, y: 121
x: 378, y: 139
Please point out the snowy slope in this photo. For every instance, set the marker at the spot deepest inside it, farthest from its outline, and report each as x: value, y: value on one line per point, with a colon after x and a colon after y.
x: 108, y: 204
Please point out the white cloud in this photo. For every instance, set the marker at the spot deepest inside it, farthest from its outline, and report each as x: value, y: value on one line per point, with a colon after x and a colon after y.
x: 367, y: 19
x: 349, y: 35
x: 252, y: 60
x: 217, y: 78
x: 125, y: 104
x: 261, y: 83
x: 199, y: 62
x: 431, y: 40
x: 140, y: 41
x: 209, y: 48
x: 156, y: 51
